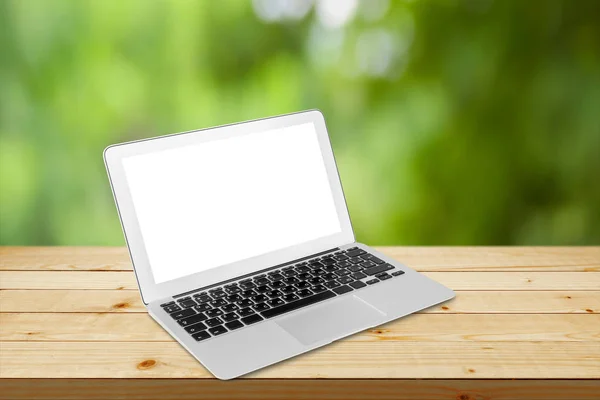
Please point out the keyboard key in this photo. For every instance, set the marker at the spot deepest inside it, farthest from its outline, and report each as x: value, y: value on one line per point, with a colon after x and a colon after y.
x: 291, y: 281
x: 367, y: 264
x: 344, y: 264
x: 384, y: 277
x: 233, y: 298
x: 218, y: 330
x: 246, y: 311
x: 318, y: 288
x: 345, y: 280
x: 261, y: 281
x: 276, y: 276
x: 248, y: 293
x: 260, y: 307
x: 273, y: 312
x: 170, y: 303
x: 195, y: 328
x: 327, y: 261
x: 319, y: 272
x: 214, y: 321
x: 378, y: 269
x: 289, y: 273
x: 213, y: 313
x: 331, y: 284
x: 330, y: 268
x: 355, y: 260
x: 274, y: 293
x: 340, y: 257
x: 229, y: 307
x: 260, y: 298
x: 372, y: 281
x: 277, y: 284
x: 187, y: 303
x: 188, y: 312
x: 290, y: 297
x: 304, y: 293
x: 202, y: 335
x: 247, y: 285
x: 302, y: 269
x: 194, y: 319
x: 252, y: 319
x: 372, y: 258
x: 172, y: 309
x: 273, y: 303
x: 355, y: 268
x: 229, y: 316
x: 397, y: 273
x: 263, y: 289
x: 203, y: 299
x: 218, y: 294
x: 302, y: 285
x: 202, y: 307
x: 304, y: 276
x: 342, y: 272
x: 218, y: 303
x: 329, y: 277
x: 354, y: 253
x: 316, y: 264
x: 357, y: 284
x: 316, y: 280
x: 233, y: 325
x: 342, y: 289
x: 245, y: 303
x: 359, y: 275
x: 288, y: 289
x: 287, y: 268
x: 233, y: 289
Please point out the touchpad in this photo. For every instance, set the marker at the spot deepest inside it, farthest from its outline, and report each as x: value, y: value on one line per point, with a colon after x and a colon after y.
x: 331, y: 320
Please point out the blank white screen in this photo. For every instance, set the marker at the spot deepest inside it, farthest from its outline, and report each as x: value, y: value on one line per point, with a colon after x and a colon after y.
x: 218, y: 202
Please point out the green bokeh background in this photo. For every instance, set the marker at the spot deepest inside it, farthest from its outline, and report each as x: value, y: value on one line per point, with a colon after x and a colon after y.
x: 453, y: 121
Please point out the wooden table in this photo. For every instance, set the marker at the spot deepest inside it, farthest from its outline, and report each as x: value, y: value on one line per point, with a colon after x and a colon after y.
x: 525, y: 324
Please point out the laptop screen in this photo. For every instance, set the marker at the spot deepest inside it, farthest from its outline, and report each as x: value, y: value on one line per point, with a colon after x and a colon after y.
x: 214, y: 203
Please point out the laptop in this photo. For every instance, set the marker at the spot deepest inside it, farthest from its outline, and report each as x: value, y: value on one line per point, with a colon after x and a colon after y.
x: 242, y: 244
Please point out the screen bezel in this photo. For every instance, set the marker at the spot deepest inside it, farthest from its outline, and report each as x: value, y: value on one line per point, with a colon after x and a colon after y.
x: 149, y: 289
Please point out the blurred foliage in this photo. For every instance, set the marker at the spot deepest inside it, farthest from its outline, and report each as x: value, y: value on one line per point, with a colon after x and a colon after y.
x: 453, y: 121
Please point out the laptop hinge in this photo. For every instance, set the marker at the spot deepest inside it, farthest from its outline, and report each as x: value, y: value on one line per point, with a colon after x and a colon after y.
x: 254, y: 273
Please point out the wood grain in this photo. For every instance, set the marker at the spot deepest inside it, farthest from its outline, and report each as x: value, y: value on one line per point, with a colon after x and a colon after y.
x: 66, y: 327
x: 470, y: 302
x: 299, y: 389
x: 525, y: 324
x: 109, y: 280
x: 347, y: 360
x: 420, y: 258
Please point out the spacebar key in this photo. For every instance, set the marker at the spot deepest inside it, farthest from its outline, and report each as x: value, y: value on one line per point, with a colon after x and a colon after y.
x: 273, y: 312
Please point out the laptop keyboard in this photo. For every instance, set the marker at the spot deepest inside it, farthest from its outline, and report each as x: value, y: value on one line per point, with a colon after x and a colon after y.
x: 267, y: 295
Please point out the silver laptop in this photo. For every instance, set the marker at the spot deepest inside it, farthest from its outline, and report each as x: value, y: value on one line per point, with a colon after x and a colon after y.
x: 242, y: 244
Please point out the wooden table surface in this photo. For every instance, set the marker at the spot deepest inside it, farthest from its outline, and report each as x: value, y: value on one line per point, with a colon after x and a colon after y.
x: 525, y: 323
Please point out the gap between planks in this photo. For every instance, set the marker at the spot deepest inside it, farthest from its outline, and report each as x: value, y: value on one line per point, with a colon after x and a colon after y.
x: 92, y: 327
x: 530, y: 281
x: 420, y: 258
x: 343, y: 359
x: 470, y: 302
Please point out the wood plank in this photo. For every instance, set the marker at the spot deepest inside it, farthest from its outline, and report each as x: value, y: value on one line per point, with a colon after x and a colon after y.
x: 420, y: 258
x: 347, y: 360
x: 470, y: 302
x: 90, y: 327
x: 530, y: 281
x: 305, y: 389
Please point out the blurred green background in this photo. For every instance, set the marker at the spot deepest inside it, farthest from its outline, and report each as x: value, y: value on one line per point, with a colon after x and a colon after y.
x: 453, y: 121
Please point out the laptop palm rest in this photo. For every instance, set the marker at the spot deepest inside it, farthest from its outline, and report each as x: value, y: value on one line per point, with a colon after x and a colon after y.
x: 326, y: 322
